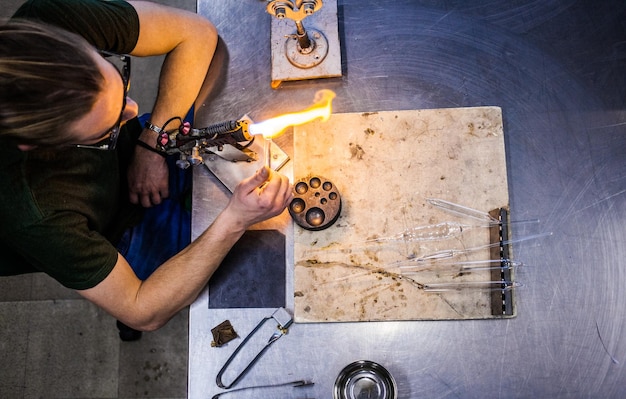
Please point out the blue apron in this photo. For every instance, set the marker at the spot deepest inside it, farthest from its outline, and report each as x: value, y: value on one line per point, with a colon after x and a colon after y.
x: 166, y: 228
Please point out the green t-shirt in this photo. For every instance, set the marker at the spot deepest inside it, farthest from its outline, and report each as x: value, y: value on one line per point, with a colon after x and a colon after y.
x: 59, y: 209
x: 111, y: 25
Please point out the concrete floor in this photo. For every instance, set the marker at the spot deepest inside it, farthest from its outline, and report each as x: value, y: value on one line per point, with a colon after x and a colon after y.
x: 54, y: 344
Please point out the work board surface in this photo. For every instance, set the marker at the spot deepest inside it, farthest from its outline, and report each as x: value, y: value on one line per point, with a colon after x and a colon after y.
x: 385, y: 166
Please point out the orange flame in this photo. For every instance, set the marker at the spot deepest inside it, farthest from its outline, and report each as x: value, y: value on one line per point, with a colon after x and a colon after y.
x: 275, y: 126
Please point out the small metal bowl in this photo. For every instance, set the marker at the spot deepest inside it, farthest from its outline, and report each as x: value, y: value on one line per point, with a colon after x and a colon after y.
x: 365, y: 379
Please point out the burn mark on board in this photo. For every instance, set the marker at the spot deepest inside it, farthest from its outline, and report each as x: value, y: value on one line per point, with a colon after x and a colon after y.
x: 356, y: 151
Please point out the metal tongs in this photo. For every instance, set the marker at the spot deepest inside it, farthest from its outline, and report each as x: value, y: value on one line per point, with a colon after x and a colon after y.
x: 284, y: 320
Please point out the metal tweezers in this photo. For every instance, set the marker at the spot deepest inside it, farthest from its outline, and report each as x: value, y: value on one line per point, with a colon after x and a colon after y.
x: 284, y: 320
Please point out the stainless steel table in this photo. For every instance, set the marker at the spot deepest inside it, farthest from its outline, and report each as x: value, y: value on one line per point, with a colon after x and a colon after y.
x: 557, y: 70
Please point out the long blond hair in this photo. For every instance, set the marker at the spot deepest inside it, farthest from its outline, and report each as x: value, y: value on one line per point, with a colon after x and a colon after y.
x: 48, y: 79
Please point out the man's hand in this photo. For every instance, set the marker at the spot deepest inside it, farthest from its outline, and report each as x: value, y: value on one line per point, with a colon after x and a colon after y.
x: 259, y: 197
x: 148, y: 178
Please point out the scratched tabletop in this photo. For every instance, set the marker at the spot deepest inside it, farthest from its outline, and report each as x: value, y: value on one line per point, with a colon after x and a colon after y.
x: 556, y: 71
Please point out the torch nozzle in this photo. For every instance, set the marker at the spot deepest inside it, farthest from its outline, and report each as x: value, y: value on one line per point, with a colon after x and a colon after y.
x: 238, y: 129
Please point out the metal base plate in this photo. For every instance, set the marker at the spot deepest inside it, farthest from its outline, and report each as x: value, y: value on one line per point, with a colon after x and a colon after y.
x: 323, y: 21
x: 231, y: 172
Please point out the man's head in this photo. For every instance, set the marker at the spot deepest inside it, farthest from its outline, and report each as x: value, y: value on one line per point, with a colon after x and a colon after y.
x: 55, y: 88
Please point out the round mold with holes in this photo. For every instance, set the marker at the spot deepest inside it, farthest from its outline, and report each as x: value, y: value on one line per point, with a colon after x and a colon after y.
x: 316, y: 203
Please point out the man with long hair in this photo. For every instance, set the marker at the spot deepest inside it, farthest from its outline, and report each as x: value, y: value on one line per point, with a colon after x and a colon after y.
x: 73, y: 168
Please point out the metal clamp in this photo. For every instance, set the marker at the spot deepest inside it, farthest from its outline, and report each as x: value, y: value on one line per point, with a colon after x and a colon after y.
x: 284, y: 320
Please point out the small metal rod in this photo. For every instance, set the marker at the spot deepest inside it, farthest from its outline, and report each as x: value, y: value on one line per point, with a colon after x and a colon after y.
x: 268, y: 152
x: 303, y: 38
x: 295, y: 384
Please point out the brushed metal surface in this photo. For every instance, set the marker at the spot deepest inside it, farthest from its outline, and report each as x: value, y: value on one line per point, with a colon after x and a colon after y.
x: 556, y: 68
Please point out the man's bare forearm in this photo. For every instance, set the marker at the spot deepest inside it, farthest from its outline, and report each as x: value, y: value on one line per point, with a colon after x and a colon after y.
x: 189, y: 42
x: 177, y: 282
x: 147, y: 305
